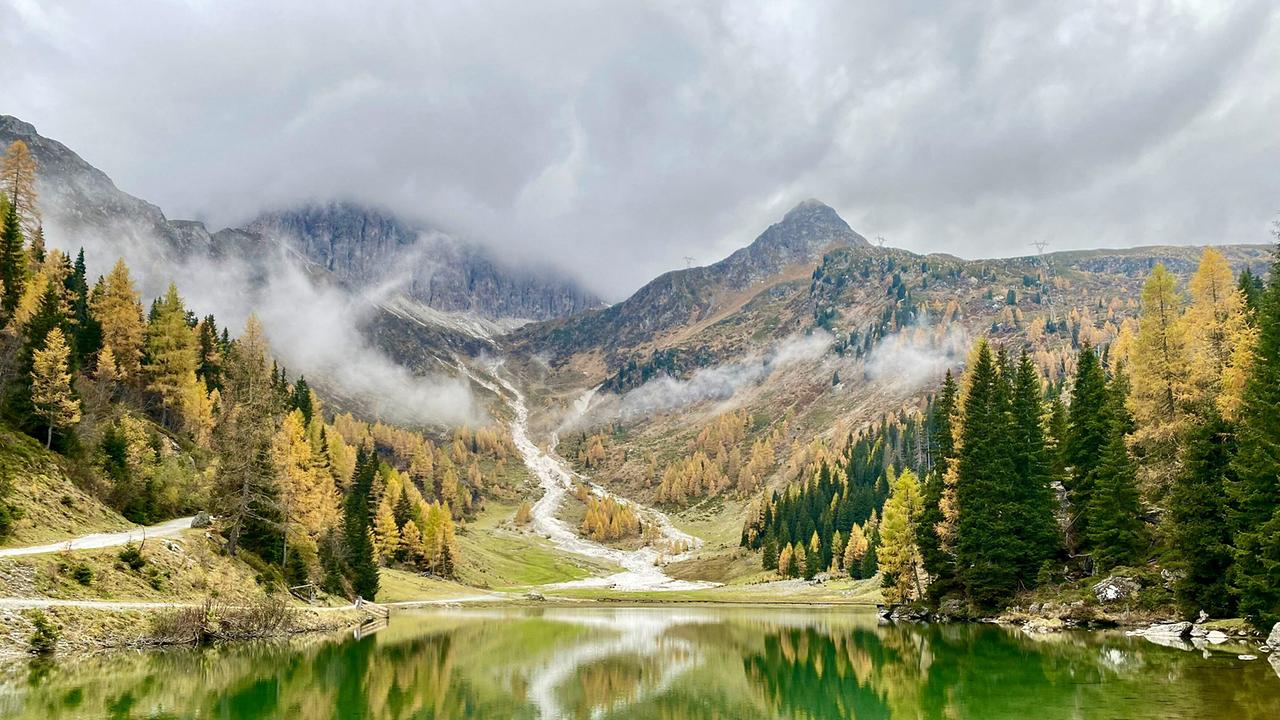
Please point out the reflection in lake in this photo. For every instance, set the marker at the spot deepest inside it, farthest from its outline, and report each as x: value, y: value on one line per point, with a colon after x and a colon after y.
x: 661, y: 663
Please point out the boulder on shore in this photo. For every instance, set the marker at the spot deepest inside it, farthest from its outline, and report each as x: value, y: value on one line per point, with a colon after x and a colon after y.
x: 1116, y: 588
x: 1167, y: 630
x: 1273, y: 640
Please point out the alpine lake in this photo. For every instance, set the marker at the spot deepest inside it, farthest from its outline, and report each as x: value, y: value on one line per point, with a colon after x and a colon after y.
x: 661, y: 662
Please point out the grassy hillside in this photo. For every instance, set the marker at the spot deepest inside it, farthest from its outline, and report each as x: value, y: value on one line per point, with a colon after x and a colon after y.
x: 48, y: 505
x: 497, y: 555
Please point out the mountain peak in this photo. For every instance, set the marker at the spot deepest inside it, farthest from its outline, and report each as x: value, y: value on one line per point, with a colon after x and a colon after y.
x: 812, y: 208
x: 807, y: 230
x: 13, y: 126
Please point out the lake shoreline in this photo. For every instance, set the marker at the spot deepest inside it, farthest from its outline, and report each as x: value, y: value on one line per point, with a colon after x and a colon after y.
x: 85, y: 632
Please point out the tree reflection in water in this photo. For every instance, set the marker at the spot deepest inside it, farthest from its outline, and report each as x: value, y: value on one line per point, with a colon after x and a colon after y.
x: 660, y: 663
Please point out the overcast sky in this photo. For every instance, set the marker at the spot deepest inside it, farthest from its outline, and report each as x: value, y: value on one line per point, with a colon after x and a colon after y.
x: 614, y: 139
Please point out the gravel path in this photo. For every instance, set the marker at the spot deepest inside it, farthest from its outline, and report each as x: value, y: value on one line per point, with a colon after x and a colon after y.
x: 103, y: 540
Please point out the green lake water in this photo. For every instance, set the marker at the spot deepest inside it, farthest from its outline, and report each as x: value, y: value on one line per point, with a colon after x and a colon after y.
x: 667, y: 663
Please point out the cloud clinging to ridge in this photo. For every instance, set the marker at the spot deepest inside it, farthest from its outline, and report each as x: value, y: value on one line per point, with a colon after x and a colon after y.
x: 618, y: 138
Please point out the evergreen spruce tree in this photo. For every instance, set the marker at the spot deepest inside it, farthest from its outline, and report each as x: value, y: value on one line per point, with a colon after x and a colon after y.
x: 1255, y: 489
x: 1252, y: 288
x: 302, y: 398
x: 403, y: 510
x: 262, y: 522
x: 986, y: 556
x: 1036, y: 531
x: 871, y: 561
x: 37, y: 249
x: 1201, y: 533
x: 210, y: 352
x: 1116, y: 533
x: 769, y: 553
x: 362, y: 563
x: 13, y: 262
x: 937, y: 563
x: 87, y: 333
x: 1087, y: 433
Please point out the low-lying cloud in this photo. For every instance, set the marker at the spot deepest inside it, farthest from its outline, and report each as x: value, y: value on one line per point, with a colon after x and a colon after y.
x: 721, y: 382
x: 313, y: 325
x: 917, y: 355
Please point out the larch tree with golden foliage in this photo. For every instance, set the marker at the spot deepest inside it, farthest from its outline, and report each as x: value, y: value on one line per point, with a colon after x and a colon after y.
x: 386, y: 534
x: 171, y: 353
x: 899, y: 556
x: 119, y: 311
x: 51, y: 392
x: 854, y: 550
x: 18, y: 181
x: 1159, y: 371
x: 308, y: 497
x: 1216, y: 324
x: 524, y: 514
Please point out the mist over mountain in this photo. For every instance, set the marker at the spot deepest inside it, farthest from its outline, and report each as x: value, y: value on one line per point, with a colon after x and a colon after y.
x: 370, y: 248
x: 372, y: 308
x: 377, y: 310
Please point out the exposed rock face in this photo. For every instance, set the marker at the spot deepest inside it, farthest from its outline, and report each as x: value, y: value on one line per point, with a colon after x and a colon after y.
x: 1115, y: 589
x: 683, y: 297
x: 365, y: 248
x: 82, y: 206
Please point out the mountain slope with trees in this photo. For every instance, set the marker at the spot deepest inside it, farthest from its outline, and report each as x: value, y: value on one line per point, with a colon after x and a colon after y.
x: 1156, y: 453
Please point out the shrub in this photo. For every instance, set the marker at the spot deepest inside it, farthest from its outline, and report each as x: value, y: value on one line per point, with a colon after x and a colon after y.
x: 131, y: 555
x: 6, y: 520
x: 212, y: 621
x: 44, y: 640
x: 82, y: 573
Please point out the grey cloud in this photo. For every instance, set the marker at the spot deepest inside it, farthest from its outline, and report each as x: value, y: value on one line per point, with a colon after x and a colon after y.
x: 613, y: 139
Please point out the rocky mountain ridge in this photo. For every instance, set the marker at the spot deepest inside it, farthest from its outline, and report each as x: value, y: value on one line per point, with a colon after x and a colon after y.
x: 369, y: 248
x: 362, y: 248
x: 685, y: 298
